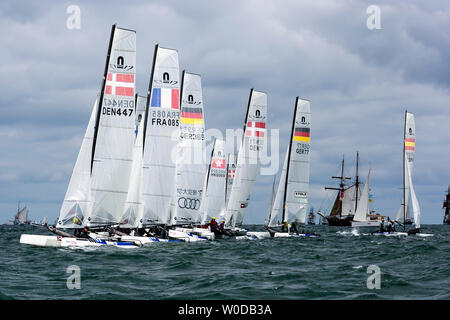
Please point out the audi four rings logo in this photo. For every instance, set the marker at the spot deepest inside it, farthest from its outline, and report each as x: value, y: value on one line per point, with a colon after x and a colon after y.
x: 188, y: 203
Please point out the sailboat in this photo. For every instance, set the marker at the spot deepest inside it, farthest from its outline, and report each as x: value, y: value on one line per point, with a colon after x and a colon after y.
x: 21, y: 216
x: 190, y: 165
x: 361, y: 218
x: 291, y: 200
x: 347, y: 198
x: 98, y: 186
x: 409, y: 147
x: 214, y: 197
x: 252, y: 144
x: 446, y: 205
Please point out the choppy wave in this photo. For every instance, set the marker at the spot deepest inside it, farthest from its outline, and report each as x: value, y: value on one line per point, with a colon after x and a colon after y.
x: 333, y: 266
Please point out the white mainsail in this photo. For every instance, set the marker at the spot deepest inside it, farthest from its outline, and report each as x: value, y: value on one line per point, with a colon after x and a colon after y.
x: 362, y: 210
x: 213, y: 202
x: 414, y: 201
x: 349, y: 200
x: 297, y: 174
x: 409, y: 149
x: 247, y: 167
x: 161, y: 137
x: 279, y: 197
x: 133, y: 205
x: 190, y: 160
x: 77, y: 201
x: 114, y: 131
x: 21, y: 216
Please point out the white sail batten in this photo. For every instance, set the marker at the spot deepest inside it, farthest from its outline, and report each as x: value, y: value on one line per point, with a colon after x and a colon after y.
x: 114, y: 136
x: 247, y: 166
x: 362, y: 210
x: 231, y: 173
x: 277, y: 203
x: 77, y: 200
x: 296, y: 197
x: 213, y: 202
x: 133, y: 205
x: 161, y: 138
x: 191, y: 153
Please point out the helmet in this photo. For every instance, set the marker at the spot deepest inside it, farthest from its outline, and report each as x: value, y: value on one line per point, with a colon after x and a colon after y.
x: 75, y: 220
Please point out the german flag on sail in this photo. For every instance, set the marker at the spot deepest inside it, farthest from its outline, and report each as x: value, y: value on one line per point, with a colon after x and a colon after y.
x: 410, y: 144
x: 301, y: 134
x: 192, y: 115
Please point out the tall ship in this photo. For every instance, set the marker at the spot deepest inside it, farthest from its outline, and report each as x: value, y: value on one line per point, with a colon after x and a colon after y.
x: 21, y: 215
x: 447, y: 207
x: 346, y: 202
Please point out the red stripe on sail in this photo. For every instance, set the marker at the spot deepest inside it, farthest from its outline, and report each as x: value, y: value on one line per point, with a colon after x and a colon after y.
x: 302, y: 134
x: 410, y: 140
x: 108, y: 90
x: 124, y: 91
x: 124, y: 78
x: 191, y: 115
x: 409, y: 148
x: 256, y: 124
x: 175, y: 99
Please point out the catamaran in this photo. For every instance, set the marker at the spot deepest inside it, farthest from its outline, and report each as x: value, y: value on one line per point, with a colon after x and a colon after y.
x: 409, y: 147
x: 98, y: 186
x: 291, y: 200
x: 252, y: 144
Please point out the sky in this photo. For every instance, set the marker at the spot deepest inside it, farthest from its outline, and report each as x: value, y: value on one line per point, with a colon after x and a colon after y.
x: 359, y: 80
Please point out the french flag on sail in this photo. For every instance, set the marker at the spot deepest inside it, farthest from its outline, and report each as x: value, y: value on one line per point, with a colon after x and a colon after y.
x: 120, y: 84
x: 166, y: 98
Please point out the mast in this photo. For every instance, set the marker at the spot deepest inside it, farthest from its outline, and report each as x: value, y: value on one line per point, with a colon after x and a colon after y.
x: 404, y: 186
x: 288, y: 161
x: 149, y: 93
x: 341, y: 186
x: 102, y: 90
x: 357, y: 181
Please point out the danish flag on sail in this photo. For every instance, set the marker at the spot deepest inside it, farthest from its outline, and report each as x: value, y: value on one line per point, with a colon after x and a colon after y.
x: 120, y: 84
x: 255, y: 129
x: 218, y: 163
x: 231, y: 173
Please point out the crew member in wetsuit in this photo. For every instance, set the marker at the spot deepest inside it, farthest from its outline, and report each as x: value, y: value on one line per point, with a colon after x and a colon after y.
x: 294, y: 227
x: 285, y: 227
x: 213, y: 224
x: 221, y: 226
x: 382, y: 225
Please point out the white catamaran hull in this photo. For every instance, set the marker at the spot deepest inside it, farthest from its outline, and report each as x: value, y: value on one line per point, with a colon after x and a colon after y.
x: 258, y: 234
x: 58, y: 241
x: 366, y: 225
x: 198, y: 231
x: 292, y: 235
x: 183, y: 236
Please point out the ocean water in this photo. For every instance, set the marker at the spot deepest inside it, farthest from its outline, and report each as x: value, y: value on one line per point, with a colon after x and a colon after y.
x: 332, y: 266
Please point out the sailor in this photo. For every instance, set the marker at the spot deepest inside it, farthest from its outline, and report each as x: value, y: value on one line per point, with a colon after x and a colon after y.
x: 221, y: 226
x: 75, y: 220
x: 392, y: 226
x: 85, y: 233
x: 285, y: 227
x: 213, y: 224
x: 294, y: 227
x: 382, y: 225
